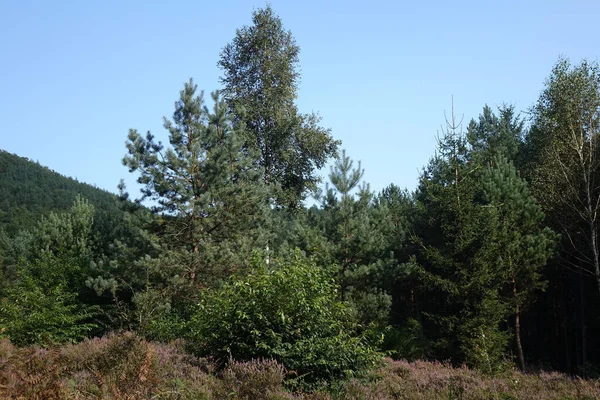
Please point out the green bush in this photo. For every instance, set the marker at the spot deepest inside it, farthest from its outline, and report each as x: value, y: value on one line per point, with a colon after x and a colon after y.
x: 31, y: 314
x: 292, y: 314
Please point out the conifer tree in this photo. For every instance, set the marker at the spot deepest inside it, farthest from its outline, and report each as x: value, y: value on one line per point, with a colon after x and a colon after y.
x: 203, y: 188
x: 452, y: 264
x: 394, y: 212
x: 261, y: 76
x: 66, y: 241
x: 495, y: 134
x: 349, y: 226
x: 518, y: 239
x: 343, y: 214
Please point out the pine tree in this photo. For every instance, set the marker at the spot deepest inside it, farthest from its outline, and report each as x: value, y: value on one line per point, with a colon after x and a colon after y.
x: 204, y: 190
x: 518, y: 239
x: 355, y: 240
x: 394, y: 212
x: 65, y: 240
x: 261, y: 76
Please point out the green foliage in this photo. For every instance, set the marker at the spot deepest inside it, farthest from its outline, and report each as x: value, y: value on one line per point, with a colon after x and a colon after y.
x: 209, y: 210
x: 33, y: 314
x: 564, y: 165
x: 483, y: 342
x: 482, y: 243
x: 208, y: 196
x: 350, y: 224
x: 405, y: 342
x: 453, y: 262
x: 394, y: 214
x: 66, y: 239
x: 372, y: 304
x: 160, y: 315
x: 64, y: 247
x: 494, y: 135
x: 42, y: 304
x: 291, y: 313
x: 260, y: 80
x: 519, y: 239
x: 452, y: 271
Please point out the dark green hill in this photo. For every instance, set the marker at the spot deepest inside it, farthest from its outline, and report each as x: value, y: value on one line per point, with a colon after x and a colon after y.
x: 29, y: 190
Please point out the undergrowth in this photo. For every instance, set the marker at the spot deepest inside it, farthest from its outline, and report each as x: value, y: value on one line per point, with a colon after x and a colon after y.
x: 127, y: 367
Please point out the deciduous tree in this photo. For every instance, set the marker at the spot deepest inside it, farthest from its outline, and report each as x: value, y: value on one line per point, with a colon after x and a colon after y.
x: 261, y: 76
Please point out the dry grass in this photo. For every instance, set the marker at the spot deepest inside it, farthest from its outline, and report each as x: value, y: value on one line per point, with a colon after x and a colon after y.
x: 129, y: 368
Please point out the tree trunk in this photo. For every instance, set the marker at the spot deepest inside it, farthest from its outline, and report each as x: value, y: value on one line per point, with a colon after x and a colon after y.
x: 193, y: 271
x: 518, y: 330
x: 589, y: 170
x: 582, y: 321
x: 594, y: 239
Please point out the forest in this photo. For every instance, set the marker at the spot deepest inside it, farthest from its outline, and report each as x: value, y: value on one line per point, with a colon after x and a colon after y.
x: 237, y: 272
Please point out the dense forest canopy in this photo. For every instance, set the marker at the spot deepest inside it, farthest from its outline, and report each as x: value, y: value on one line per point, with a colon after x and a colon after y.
x: 492, y: 261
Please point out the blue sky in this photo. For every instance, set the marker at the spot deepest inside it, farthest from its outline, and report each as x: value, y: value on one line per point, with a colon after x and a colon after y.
x: 75, y: 76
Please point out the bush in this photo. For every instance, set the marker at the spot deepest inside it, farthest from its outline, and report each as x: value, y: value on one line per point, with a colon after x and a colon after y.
x: 253, y: 380
x: 421, y: 380
x: 31, y: 373
x: 291, y: 314
x: 31, y: 314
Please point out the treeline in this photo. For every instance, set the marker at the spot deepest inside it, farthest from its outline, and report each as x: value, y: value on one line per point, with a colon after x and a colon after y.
x: 492, y: 261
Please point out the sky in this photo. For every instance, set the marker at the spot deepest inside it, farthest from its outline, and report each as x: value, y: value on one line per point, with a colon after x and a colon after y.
x: 76, y: 75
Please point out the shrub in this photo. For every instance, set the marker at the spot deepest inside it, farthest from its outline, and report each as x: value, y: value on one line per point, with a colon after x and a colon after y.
x: 253, y: 380
x: 113, y: 367
x: 422, y: 380
x: 292, y: 314
x: 31, y: 314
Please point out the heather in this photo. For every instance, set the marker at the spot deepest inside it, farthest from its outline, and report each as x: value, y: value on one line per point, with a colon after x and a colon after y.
x: 126, y: 366
x: 435, y: 380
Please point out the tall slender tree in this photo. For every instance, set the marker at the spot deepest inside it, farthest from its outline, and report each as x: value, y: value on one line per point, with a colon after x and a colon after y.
x: 261, y: 76
x: 564, y: 160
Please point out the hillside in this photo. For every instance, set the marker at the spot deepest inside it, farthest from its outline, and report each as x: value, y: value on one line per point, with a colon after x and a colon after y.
x: 29, y: 190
